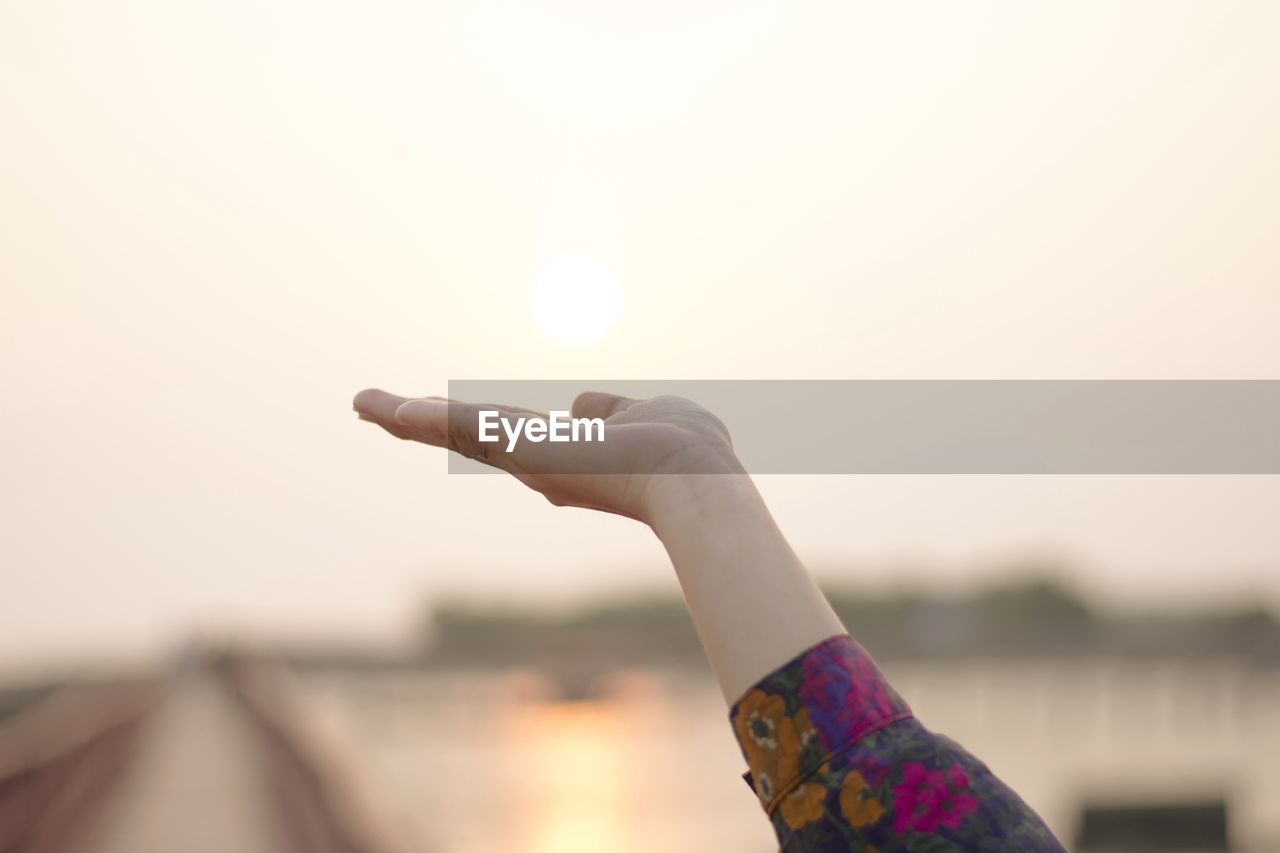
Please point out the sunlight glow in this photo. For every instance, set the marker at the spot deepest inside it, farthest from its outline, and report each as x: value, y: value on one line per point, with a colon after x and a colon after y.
x: 575, y: 299
x: 579, y: 759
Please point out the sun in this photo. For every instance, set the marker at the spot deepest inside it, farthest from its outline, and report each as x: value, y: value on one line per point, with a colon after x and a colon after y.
x: 575, y: 299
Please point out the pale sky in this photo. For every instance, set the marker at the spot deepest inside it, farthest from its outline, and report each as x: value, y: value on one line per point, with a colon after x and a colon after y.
x: 220, y: 220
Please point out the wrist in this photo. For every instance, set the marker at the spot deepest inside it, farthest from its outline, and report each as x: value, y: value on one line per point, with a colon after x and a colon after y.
x: 753, y: 604
x: 698, y: 505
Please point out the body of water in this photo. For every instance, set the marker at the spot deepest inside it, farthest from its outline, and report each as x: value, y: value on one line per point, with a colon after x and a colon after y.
x: 494, y: 763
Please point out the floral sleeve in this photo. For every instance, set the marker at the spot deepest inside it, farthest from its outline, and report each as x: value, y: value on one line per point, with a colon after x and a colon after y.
x: 840, y: 764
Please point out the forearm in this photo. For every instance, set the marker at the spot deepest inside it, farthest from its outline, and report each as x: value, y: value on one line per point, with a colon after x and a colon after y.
x: 753, y: 604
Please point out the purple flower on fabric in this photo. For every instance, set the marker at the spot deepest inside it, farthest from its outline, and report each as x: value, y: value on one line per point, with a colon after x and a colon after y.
x: 844, y: 692
x: 873, y: 768
x: 927, y: 798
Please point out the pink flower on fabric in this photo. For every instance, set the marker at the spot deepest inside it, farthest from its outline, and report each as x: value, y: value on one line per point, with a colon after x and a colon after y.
x: 844, y: 692
x: 927, y: 798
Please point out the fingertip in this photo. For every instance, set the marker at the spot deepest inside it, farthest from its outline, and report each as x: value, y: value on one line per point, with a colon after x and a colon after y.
x: 363, y: 400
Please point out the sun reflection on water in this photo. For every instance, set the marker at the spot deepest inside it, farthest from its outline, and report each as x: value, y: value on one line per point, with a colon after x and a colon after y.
x: 500, y: 764
x: 576, y: 750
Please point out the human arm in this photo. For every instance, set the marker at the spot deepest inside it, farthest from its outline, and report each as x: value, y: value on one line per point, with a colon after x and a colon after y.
x: 836, y: 758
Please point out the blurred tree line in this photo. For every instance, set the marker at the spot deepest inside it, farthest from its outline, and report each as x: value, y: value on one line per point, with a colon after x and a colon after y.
x: 1034, y: 615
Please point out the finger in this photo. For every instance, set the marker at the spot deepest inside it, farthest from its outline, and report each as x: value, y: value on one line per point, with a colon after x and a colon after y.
x: 379, y: 407
x: 456, y: 426
x: 503, y: 407
x: 506, y: 407
x: 599, y: 404
x: 378, y: 404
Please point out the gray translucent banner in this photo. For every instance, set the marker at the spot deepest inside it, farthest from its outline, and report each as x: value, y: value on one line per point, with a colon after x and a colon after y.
x: 955, y: 427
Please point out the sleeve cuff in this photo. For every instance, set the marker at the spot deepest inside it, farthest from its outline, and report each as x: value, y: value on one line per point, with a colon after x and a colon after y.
x: 816, y: 705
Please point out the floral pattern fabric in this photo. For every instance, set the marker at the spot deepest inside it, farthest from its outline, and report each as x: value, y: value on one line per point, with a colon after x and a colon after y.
x: 840, y: 764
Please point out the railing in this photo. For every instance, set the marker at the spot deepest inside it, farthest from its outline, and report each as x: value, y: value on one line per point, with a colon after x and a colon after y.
x: 58, y: 759
x: 324, y: 805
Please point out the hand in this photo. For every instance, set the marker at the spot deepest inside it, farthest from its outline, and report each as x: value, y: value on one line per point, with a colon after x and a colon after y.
x: 655, y: 458
x: 667, y: 462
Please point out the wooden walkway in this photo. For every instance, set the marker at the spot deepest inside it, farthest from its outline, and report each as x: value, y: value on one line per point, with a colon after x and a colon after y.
x: 196, y: 784
x: 217, y: 759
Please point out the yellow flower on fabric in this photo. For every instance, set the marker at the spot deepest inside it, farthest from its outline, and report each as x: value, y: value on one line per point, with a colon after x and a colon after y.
x: 757, y: 724
x: 803, y: 805
x: 774, y: 745
x: 856, y: 805
x: 759, y: 714
x: 794, y: 733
